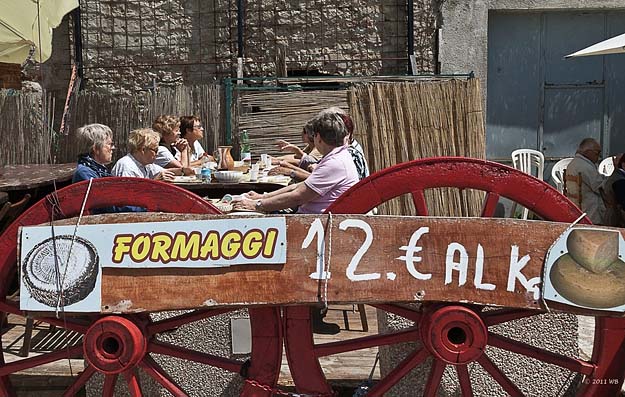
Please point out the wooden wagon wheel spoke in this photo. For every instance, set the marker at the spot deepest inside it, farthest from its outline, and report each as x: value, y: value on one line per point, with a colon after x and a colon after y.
x: 444, y: 340
x: 67, y: 323
x: 434, y: 379
x: 133, y: 383
x: 465, y: 380
x: 490, y: 205
x: 405, y: 312
x: 20, y: 365
x: 177, y: 321
x: 109, y: 385
x: 504, y: 315
x: 157, y: 373
x: 79, y: 382
x: 130, y: 334
x: 546, y: 356
x: 418, y: 199
x: 499, y: 376
x: 385, y: 384
x: 326, y: 349
x: 192, y: 355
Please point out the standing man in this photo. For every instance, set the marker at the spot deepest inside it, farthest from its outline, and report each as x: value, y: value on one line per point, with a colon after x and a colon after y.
x: 585, y: 163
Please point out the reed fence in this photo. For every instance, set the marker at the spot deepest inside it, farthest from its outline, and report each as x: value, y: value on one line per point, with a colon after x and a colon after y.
x: 26, y: 135
x: 407, y: 121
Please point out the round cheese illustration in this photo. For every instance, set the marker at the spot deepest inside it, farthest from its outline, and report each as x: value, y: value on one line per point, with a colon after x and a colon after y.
x: 585, y: 287
x: 75, y: 276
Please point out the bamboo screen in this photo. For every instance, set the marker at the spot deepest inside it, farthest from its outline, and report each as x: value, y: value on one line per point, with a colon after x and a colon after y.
x: 407, y: 121
x: 268, y: 116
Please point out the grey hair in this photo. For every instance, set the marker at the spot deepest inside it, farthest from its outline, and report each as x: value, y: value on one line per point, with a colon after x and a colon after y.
x: 93, y: 136
x: 330, y: 127
x: 333, y: 109
x: 587, y: 144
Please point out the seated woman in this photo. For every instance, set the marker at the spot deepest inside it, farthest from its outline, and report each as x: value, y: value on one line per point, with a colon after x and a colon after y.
x: 97, y: 143
x: 139, y: 162
x: 191, y: 129
x: 614, y: 192
x: 170, y: 145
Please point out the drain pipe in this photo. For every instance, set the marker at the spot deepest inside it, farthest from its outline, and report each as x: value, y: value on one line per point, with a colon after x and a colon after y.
x: 410, y: 34
x: 240, y: 17
x: 78, y: 42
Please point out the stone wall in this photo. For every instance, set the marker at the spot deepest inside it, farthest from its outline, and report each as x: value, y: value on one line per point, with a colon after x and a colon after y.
x: 134, y: 45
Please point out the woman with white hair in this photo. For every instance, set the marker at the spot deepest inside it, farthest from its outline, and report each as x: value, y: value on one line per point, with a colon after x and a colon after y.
x: 139, y: 162
x: 96, y: 142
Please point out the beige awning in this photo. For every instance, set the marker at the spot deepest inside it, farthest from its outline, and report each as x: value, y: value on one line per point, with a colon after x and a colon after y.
x: 20, y: 29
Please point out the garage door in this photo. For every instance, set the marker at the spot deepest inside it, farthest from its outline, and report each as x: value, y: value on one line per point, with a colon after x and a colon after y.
x: 537, y: 99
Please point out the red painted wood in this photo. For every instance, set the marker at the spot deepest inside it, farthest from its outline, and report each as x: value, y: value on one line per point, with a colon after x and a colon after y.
x: 79, y: 382
x: 155, y: 196
x: 497, y: 181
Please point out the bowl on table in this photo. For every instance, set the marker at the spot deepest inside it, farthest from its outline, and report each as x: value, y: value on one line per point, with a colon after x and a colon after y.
x: 228, y: 176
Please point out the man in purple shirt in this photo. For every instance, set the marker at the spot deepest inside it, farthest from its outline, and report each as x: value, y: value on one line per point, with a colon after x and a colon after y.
x: 334, y: 174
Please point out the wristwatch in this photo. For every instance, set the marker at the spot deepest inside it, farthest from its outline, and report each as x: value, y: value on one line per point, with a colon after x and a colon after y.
x: 259, y: 205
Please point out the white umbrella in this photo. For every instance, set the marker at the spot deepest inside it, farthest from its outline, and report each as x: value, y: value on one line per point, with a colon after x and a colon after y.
x: 28, y: 23
x: 614, y: 45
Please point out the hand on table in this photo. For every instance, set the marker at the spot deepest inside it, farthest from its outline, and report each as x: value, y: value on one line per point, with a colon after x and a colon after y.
x: 279, y: 171
x: 166, y: 175
x: 187, y: 171
x: 243, y: 203
x: 252, y: 195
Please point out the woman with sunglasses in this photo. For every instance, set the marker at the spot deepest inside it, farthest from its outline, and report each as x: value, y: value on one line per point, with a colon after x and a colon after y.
x: 139, y: 162
x: 173, y: 151
x: 192, y: 130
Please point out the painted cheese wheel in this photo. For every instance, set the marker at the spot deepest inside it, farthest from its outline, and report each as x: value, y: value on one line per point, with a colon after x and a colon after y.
x: 75, y: 271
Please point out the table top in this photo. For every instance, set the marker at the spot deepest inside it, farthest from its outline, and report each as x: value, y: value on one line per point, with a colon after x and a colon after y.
x: 217, y: 189
x: 31, y: 176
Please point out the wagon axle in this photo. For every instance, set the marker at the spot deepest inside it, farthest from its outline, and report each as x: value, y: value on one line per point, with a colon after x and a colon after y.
x: 115, y: 344
x: 454, y: 334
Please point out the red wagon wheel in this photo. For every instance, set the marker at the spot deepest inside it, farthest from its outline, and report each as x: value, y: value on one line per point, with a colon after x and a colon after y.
x: 456, y: 335
x: 116, y: 345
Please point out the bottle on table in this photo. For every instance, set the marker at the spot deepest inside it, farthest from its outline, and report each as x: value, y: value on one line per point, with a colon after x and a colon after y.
x: 246, y: 154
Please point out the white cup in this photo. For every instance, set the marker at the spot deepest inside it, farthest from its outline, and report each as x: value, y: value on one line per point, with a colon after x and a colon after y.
x: 255, y: 167
x: 263, y: 159
x: 268, y: 161
x: 253, y: 175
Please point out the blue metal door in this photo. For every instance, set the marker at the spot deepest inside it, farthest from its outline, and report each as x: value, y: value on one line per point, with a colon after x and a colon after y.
x: 537, y: 99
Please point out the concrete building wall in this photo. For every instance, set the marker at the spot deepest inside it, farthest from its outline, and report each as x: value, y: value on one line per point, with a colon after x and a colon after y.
x: 463, y: 43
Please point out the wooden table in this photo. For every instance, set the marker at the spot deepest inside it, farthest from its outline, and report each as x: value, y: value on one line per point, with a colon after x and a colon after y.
x: 218, y: 189
x: 36, y: 179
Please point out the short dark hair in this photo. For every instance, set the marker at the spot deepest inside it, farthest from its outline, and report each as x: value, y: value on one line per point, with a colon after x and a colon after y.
x: 330, y: 127
x: 186, y: 122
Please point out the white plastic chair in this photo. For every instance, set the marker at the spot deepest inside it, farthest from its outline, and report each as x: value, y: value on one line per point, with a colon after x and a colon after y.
x: 528, y: 160
x: 557, y: 173
x: 606, y: 166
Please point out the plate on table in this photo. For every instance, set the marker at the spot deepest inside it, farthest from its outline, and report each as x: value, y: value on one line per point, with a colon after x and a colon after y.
x: 186, y: 179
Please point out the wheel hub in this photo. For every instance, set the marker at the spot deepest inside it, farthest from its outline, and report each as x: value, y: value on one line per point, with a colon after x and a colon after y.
x: 114, y: 344
x: 454, y: 333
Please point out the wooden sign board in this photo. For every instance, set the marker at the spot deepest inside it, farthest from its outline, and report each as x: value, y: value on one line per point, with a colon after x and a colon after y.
x: 351, y: 258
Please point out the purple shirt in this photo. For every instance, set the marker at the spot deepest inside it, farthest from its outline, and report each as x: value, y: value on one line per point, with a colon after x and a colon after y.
x: 335, y: 173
